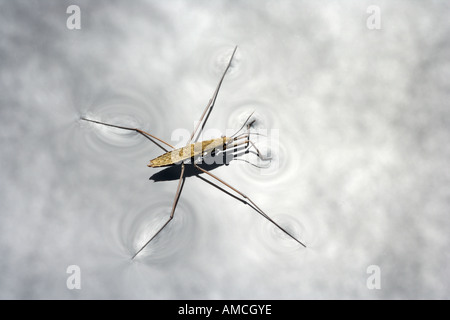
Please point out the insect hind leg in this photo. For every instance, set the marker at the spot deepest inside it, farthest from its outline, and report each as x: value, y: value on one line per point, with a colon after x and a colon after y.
x: 245, y: 199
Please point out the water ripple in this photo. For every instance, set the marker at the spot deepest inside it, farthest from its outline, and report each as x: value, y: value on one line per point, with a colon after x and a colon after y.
x: 280, y: 166
x: 128, y: 109
x: 244, y: 67
x: 217, y: 60
x: 262, y: 113
x: 273, y: 239
x: 138, y: 226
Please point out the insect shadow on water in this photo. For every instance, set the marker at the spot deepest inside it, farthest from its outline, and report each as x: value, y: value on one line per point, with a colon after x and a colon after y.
x: 172, y: 173
x: 195, y: 152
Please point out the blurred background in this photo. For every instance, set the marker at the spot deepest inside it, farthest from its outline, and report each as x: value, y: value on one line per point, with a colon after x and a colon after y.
x: 357, y: 92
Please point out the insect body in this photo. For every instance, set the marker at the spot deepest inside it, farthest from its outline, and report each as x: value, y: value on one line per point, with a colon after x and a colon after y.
x: 196, y: 151
x: 190, y: 151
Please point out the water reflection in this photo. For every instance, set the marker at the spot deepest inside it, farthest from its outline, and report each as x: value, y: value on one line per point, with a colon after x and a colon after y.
x: 126, y: 108
x: 139, y: 225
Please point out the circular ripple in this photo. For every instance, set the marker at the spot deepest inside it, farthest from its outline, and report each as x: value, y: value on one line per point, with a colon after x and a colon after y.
x: 280, y: 166
x: 244, y: 67
x: 275, y: 240
x: 127, y: 109
x: 275, y: 169
x: 261, y: 113
x: 217, y: 60
x: 137, y: 227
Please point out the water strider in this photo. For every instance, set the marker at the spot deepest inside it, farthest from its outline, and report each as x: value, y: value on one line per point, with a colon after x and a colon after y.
x: 197, y: 151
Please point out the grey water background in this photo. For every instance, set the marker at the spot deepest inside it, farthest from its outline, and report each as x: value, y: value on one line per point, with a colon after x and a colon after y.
x: 362, y: 165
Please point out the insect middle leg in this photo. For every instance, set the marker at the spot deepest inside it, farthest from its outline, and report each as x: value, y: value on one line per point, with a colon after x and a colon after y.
x: 174, y: 206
